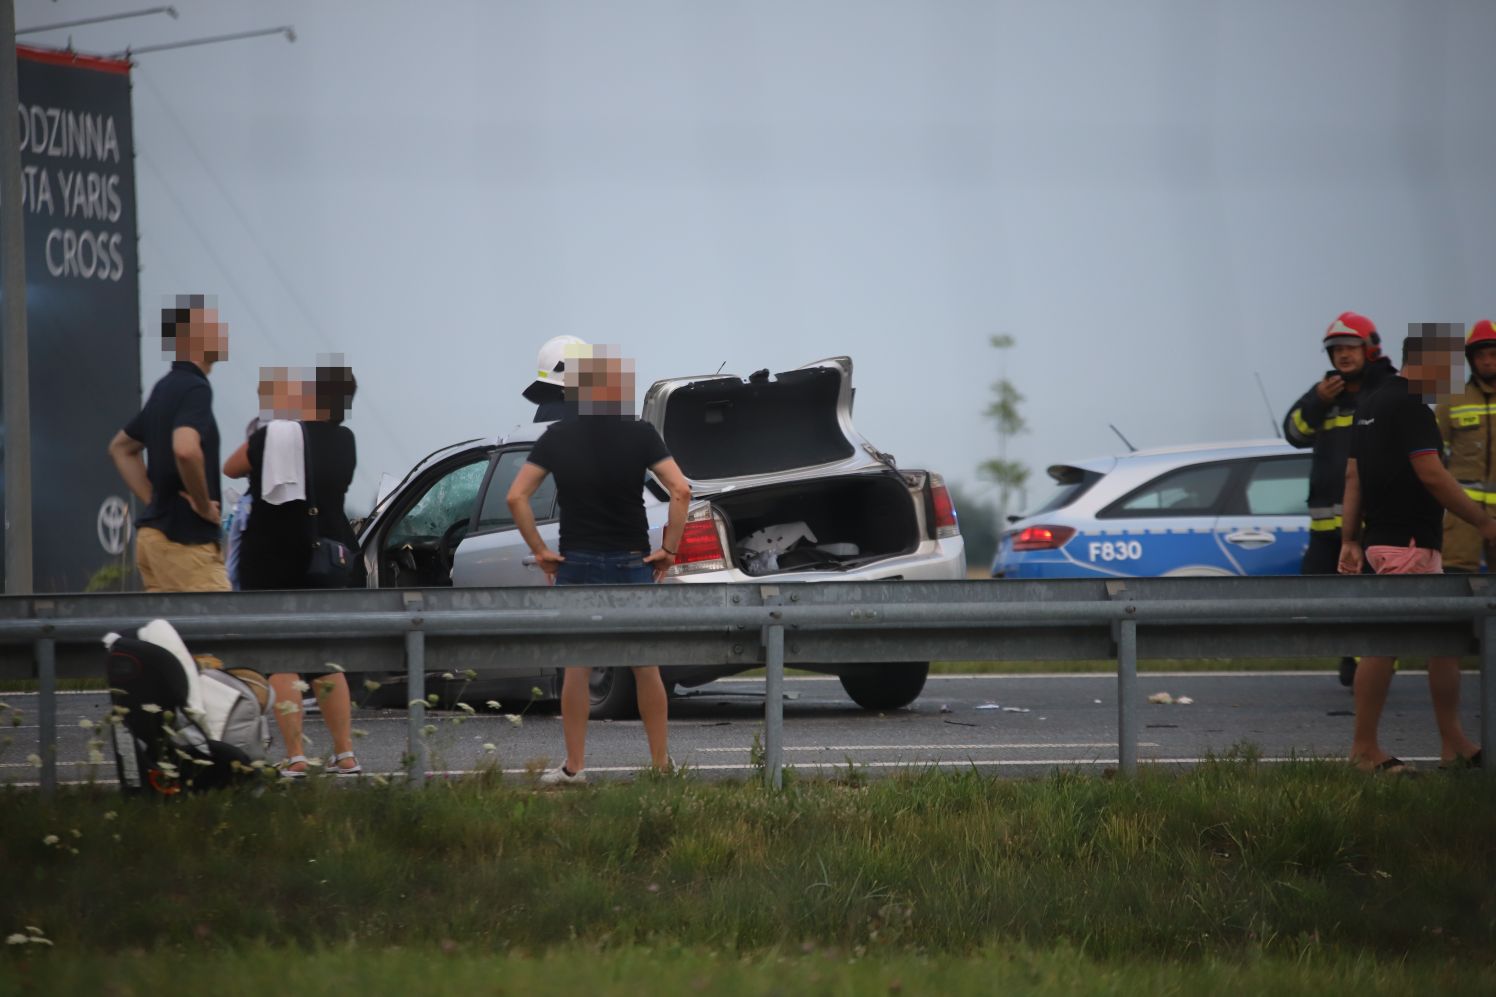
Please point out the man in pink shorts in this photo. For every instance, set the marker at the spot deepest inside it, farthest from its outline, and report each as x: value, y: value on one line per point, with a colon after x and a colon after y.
x: 1397, y: 485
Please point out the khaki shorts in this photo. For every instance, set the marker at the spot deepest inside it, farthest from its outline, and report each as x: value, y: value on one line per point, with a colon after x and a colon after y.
x: 172, y: 567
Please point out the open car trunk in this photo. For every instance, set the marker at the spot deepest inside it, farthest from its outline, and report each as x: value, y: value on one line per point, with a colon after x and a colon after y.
x: 850, y: 521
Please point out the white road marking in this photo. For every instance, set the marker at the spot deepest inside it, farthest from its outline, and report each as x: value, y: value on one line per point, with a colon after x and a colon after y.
x: 932, y: 763
x: 938, y: 747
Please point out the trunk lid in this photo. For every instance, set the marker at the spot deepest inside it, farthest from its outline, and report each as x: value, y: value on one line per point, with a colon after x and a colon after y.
x: 725, y: 430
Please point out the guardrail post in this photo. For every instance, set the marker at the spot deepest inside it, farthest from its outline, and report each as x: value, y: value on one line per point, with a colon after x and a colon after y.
x: 774, y: 706
x: 415, y: 691
x: 1127, y: 697
x: 46, y: 713
x: 1488, y: 690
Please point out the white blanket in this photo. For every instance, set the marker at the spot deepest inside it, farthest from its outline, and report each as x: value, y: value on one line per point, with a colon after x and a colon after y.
x: 284, y: 464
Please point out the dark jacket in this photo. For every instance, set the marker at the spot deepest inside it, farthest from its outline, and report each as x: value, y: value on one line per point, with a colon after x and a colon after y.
x: 1326, y: 428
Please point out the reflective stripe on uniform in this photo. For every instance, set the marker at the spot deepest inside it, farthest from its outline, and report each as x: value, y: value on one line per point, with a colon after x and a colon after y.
x: 1324, y: 518
x: 1485, y: 494
x: 1339, y: 422
x: 1487, y: 409
x: 1301, y: 425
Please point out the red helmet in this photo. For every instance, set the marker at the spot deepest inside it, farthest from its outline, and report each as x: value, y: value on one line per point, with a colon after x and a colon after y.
x: 1350, y: 329
x: 1482, y: 333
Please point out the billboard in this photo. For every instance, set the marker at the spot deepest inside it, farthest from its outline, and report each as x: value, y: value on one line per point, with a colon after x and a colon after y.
x: 82, y: 307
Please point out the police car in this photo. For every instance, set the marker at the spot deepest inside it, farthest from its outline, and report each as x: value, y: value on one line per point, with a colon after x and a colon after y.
x: 1225, y: 509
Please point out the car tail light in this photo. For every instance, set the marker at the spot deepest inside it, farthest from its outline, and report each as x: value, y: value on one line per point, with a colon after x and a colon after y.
x: 700, y: 545
x: 1042, y: 537
x: 946, y: 524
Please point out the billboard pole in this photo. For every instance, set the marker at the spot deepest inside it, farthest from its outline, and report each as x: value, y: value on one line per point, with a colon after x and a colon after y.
x: 14, y: 367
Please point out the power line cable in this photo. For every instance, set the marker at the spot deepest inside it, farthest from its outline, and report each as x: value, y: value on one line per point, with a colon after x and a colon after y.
x: 269, y: 258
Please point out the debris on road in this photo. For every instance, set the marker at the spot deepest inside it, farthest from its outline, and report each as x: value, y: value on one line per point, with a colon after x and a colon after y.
x: 1161, y: 698
x: 945, y: 707
x: 959, y: 723
x: 989, y: 705
x: 1184, y: 701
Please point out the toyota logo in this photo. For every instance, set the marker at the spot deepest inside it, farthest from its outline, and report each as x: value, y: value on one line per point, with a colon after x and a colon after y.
x: 114, y: 525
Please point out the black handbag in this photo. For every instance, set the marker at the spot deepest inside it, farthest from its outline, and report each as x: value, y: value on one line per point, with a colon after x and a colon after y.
x: 331, y: 563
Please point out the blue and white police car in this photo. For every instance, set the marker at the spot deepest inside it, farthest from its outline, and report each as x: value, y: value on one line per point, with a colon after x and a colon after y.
x: 1225, y: 509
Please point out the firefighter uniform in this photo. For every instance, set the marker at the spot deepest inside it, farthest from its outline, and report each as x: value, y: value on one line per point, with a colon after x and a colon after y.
x: 1468, y: 424
x: 1326, y: 428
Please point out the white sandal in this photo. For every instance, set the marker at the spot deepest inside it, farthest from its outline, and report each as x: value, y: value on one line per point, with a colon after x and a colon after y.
x: 336, y: 769
x: 287, y: 772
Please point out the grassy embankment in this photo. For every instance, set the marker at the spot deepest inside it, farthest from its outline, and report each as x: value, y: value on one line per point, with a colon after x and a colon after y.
x: 1301, y: 876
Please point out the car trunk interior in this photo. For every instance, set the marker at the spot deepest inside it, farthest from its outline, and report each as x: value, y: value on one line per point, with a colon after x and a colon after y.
x: 855, y: 519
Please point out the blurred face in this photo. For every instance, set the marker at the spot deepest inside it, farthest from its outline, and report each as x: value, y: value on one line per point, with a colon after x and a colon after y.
x: 280, y: 394
x: 1348, y: 361
x: 207, y: 339
x: 1433, y: 374
x: 1483, y: 363
x: 604, y: 383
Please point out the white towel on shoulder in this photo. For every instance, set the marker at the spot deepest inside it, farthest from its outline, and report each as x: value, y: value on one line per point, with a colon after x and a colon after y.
x: 284, y: 466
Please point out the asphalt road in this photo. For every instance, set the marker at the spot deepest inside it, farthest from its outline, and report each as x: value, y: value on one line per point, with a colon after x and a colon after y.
x: 1014, y: 725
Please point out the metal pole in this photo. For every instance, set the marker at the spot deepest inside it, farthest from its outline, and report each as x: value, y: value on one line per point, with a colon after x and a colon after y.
x: 1127, y: 697
x: 46, y: 688
x: 415, y: 691
x: 14, y: 365
x: 774, y: 706
x: 1488, y: 691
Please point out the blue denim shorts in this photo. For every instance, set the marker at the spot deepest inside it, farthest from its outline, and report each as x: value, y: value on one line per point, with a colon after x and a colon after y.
x: 593, y: 567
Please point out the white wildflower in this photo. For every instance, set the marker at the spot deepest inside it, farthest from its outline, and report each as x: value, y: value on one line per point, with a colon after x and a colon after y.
x: 371, y: 684
x: 85, y: 723
x: 464, y: 707
x: 151, y: 708
x: 16, y: 939
x: 494, y: 704
x: 332, y: 665
x: 490, y: 747
x: 300, y: 686
x: 448, y: 676
x: 515, y: 720
x: 287, y: 707
x: 35, y: 760
x: 110, y: 815
x: 51, y: 839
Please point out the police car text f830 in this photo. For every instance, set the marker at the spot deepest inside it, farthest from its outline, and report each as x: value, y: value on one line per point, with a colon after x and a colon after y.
x: 1224, y: 509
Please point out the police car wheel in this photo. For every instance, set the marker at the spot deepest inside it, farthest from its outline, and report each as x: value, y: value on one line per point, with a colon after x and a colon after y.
x: 886, y: 687
x: 613, y: 694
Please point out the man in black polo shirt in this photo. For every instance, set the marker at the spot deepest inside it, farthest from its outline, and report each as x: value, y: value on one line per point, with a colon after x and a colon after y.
x: 599, y: 460
x: 177, y: 538
x: 1395, y: 480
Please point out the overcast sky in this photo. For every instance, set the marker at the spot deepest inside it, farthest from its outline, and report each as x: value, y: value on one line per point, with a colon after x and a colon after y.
x: 1156, y: 199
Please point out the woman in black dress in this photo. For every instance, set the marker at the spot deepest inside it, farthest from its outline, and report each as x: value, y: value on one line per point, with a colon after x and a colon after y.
x: 277, y: 543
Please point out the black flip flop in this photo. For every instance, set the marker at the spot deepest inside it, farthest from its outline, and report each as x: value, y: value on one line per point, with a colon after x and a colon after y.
x: 1392, y: 766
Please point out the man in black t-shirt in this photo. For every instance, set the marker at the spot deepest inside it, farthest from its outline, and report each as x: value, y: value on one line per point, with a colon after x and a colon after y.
x: 599, y: 460
x: 1395, y: 480
x: 177, y: 538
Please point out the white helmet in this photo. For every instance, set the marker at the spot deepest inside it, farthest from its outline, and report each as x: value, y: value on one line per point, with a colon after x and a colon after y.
x: 550, y: 363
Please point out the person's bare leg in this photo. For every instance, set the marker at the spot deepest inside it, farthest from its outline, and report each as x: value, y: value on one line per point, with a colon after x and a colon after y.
x: 1444, y: 690
x: 337, y: 713
x: 654, y: 708
x: 288, y: 720
x: 1373, y: 679
x: 576, y: 707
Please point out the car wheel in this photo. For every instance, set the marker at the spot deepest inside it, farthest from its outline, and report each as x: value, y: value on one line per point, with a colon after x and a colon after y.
x: 886, y: 687
x: 613, y: 694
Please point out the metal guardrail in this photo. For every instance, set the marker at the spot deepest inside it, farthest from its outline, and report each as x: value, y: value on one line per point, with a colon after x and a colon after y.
x: 535, y: 630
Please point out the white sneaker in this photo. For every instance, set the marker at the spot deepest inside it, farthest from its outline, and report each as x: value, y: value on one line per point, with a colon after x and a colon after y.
x: 558, y: 776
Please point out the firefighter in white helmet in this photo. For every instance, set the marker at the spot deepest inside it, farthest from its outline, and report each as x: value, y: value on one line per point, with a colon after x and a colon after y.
x: 548, y: 390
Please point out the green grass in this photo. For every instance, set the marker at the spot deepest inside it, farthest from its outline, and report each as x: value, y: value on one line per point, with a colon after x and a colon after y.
x: 254, y: 971
x: 1229, y: 862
